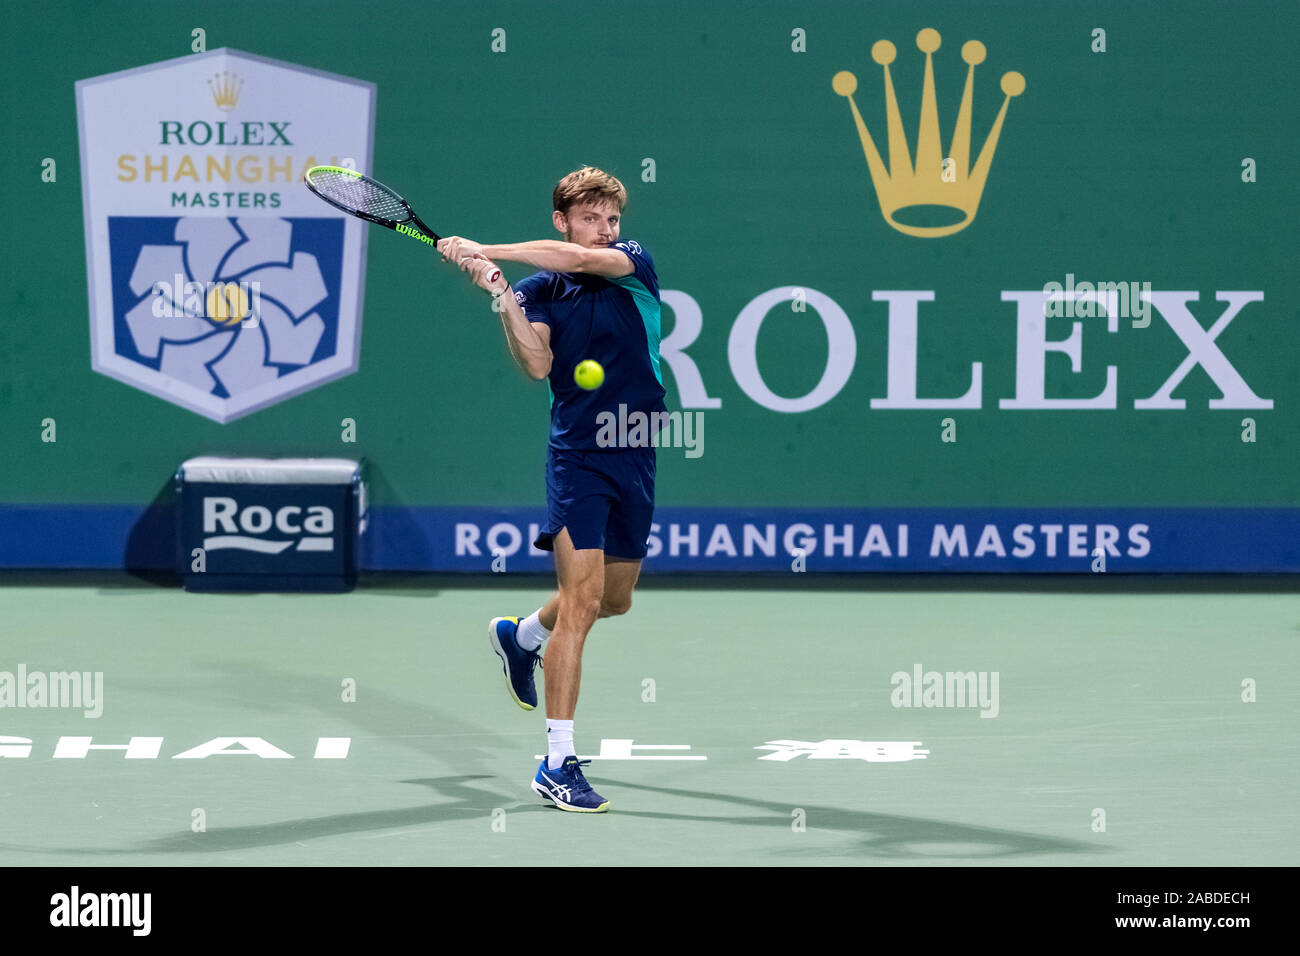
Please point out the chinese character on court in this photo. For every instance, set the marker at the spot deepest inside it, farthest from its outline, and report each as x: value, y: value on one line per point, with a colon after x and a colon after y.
x: 621, y: 749
x: 876, y: 751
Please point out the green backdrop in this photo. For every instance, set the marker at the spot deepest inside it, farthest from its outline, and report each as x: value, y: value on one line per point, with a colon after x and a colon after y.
x: 1122, y: 165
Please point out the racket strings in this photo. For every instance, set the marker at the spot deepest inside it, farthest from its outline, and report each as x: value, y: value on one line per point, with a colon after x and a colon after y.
x: 362, y: 195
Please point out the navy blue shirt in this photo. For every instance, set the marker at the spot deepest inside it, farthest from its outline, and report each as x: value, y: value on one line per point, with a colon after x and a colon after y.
x: 614, y: 321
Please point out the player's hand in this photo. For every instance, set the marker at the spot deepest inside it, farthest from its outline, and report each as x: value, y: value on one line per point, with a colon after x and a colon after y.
x: 479, y: 269
x: 456, y: 248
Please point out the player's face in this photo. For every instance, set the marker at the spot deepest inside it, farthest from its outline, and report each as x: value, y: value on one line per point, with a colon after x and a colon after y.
x: 590, y: 224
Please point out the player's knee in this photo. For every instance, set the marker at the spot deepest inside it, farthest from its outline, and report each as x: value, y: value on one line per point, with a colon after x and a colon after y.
x: 583, y: 609
x: 612, y: 607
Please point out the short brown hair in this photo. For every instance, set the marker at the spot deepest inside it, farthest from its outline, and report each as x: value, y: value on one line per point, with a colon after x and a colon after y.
x: 588, y: 184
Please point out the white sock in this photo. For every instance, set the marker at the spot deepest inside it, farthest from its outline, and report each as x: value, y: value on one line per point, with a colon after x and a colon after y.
x: 531, y: 635
x: 559, y: 742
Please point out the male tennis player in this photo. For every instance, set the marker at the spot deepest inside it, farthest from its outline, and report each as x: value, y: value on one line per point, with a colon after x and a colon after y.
x: 595, y: 298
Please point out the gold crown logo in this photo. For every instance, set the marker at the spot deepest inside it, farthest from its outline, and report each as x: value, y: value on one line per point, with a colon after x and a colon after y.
x: 933, y: 180
x: 225, y: 90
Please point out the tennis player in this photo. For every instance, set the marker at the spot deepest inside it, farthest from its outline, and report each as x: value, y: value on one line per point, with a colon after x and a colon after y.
x: 597, y: 297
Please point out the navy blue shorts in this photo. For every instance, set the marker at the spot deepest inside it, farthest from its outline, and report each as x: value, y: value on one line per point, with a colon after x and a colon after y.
x: 605, y: 498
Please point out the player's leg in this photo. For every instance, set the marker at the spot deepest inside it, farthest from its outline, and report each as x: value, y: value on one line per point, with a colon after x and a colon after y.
x: 547, y: 612
x: 535, y: 629
x: 581, y: 574
x: 620, y: 579
x: 532, y: 632
x: 570, y: 497
x: 621, y: 575
x: 579, y: 496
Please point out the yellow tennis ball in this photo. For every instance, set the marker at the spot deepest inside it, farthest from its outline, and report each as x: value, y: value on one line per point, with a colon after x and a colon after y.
x: 589, y: 375
x: 227, y: 303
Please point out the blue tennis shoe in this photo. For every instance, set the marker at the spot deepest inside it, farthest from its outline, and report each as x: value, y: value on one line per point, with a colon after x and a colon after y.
x: 567, y: 788
x: 517, y: 663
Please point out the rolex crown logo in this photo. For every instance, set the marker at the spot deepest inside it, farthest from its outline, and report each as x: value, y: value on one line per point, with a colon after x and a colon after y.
x: 934, y: 180
x: 225, y: 89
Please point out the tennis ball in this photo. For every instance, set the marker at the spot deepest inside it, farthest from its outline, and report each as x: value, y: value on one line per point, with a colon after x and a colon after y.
x: 589, y: 375
x: 227, y: 303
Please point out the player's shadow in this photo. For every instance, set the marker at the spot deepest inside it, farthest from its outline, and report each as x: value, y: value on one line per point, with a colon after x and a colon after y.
x: 465, y: 801
x: 879, y: 834
x: 256, y: 687
x: 883, y: 835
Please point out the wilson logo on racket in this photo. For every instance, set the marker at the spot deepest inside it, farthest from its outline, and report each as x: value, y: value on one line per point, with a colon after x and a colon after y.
x: 406, y: 230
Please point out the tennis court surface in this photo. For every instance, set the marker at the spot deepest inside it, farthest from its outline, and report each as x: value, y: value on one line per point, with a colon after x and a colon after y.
x: 733, y: 721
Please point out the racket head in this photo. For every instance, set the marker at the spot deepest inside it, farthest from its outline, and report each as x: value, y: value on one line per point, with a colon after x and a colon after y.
x: 358, y: 195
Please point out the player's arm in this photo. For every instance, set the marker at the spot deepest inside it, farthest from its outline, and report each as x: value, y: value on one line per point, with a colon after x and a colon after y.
x: 529, y: 342
x: 552, y: 254
x: 561, y: 256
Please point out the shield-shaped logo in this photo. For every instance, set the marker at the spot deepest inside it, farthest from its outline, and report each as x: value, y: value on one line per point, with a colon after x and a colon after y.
x: 217, y: 281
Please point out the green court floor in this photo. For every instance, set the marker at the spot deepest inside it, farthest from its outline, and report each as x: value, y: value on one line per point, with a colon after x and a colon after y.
x: 1119, y: 703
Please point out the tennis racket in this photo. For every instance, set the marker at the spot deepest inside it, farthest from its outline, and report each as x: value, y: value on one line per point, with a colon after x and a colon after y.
x: 363, y: 197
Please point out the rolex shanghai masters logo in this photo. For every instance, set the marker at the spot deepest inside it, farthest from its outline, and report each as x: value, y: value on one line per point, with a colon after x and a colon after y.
x: 934, y: 178
x: 216, y: 281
